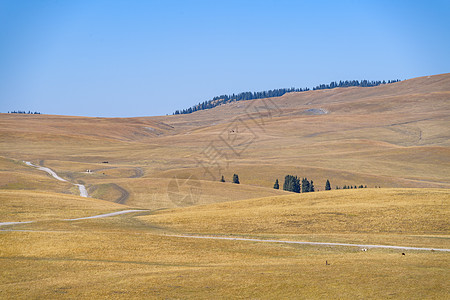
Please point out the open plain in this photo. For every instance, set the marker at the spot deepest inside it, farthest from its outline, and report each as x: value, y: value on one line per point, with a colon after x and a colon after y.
x: 392, y: 138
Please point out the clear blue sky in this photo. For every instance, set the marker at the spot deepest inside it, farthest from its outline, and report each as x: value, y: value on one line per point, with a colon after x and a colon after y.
x: 142, y: 58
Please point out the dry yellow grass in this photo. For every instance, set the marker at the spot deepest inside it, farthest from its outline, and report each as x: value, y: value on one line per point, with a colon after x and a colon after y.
x: 157, y: 193
x: 118, y: 265
x: 19, y: 206
x: 15, y: 175
x: 123, y: 257
x: 344, y: 214
x: 391, y: 136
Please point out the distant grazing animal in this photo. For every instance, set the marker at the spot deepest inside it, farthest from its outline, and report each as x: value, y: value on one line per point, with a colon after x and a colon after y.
x: 403, y: 253
x: 105, y: 162
x: 364, y: 249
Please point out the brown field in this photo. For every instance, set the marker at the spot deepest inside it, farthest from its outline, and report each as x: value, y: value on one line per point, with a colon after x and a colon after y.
x: 394, y: 136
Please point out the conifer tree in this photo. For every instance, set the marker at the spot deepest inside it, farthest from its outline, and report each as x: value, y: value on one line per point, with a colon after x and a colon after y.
x: 236, y: 179
x: 305, y: 185
x: 276, y: 185
x: 328, y: 185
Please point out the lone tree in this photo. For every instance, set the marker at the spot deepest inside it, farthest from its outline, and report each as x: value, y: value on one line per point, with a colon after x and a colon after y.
x: 235, y: 178
x: 276, y: 185
x: 327, y: 185
x: 222, y: 179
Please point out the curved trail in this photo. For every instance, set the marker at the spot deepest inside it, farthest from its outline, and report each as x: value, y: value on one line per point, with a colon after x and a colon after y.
x: 48, y: 170
x: 14, y: 223
x: 83, y: 191
x: 107, y: 215
x: 82, y: 188
x: 309, y: 243
x: 83, y: 218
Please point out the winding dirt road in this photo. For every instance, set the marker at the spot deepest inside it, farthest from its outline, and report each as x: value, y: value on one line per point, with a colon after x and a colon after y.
x: 83, y: 193
x: 82, y: 188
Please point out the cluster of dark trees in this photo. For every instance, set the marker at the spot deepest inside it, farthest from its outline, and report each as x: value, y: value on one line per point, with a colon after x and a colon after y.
x: 235, y: 179
x: 24, y: 112
x: 223, y: 99
x: 348, y: 83
x: 347, y: 187
x: 293, y: 184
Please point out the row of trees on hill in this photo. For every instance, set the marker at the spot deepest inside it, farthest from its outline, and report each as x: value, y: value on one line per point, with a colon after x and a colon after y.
x: 349, y: 83
x: 223, y: 99
x: 24, y: 112
x: 347, y: 187
x: 295, y: 184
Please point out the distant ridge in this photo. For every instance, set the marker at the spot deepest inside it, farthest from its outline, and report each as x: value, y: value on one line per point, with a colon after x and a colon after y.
x: 223, y: 99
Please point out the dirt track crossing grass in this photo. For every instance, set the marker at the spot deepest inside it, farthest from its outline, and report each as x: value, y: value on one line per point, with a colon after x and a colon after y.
x: 135, y: 265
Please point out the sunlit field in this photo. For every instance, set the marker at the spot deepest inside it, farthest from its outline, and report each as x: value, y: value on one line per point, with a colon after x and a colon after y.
x: 392, y: 138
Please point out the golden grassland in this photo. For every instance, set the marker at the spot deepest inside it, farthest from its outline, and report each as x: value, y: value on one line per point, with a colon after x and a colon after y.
x: 157, y: 193
x: 352, y: 213
x: 391, y: 136
x: 15, y: 175
x: 395, y: 136
x: 123, y: 265
x: 19, y: 206
x: 134, y: 256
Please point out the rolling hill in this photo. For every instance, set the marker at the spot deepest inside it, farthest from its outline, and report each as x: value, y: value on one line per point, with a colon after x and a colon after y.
x: 165, y: 171
x: 392, y: 135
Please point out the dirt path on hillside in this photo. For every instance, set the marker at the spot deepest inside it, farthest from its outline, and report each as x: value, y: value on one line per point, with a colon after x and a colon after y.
x: 309, y: 243
x: 83, y: 218
x: 106, y: 215
x: 45, y: 169
x: 81, y: 187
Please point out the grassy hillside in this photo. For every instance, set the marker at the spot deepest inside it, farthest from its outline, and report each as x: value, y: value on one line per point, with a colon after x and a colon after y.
x: 21, y: 206
x: 133, y: 257
x: 395, y: 136
x: 391, y: 136
x: 410, y: 211
x: 411, y: 216
x: 15, y: 175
